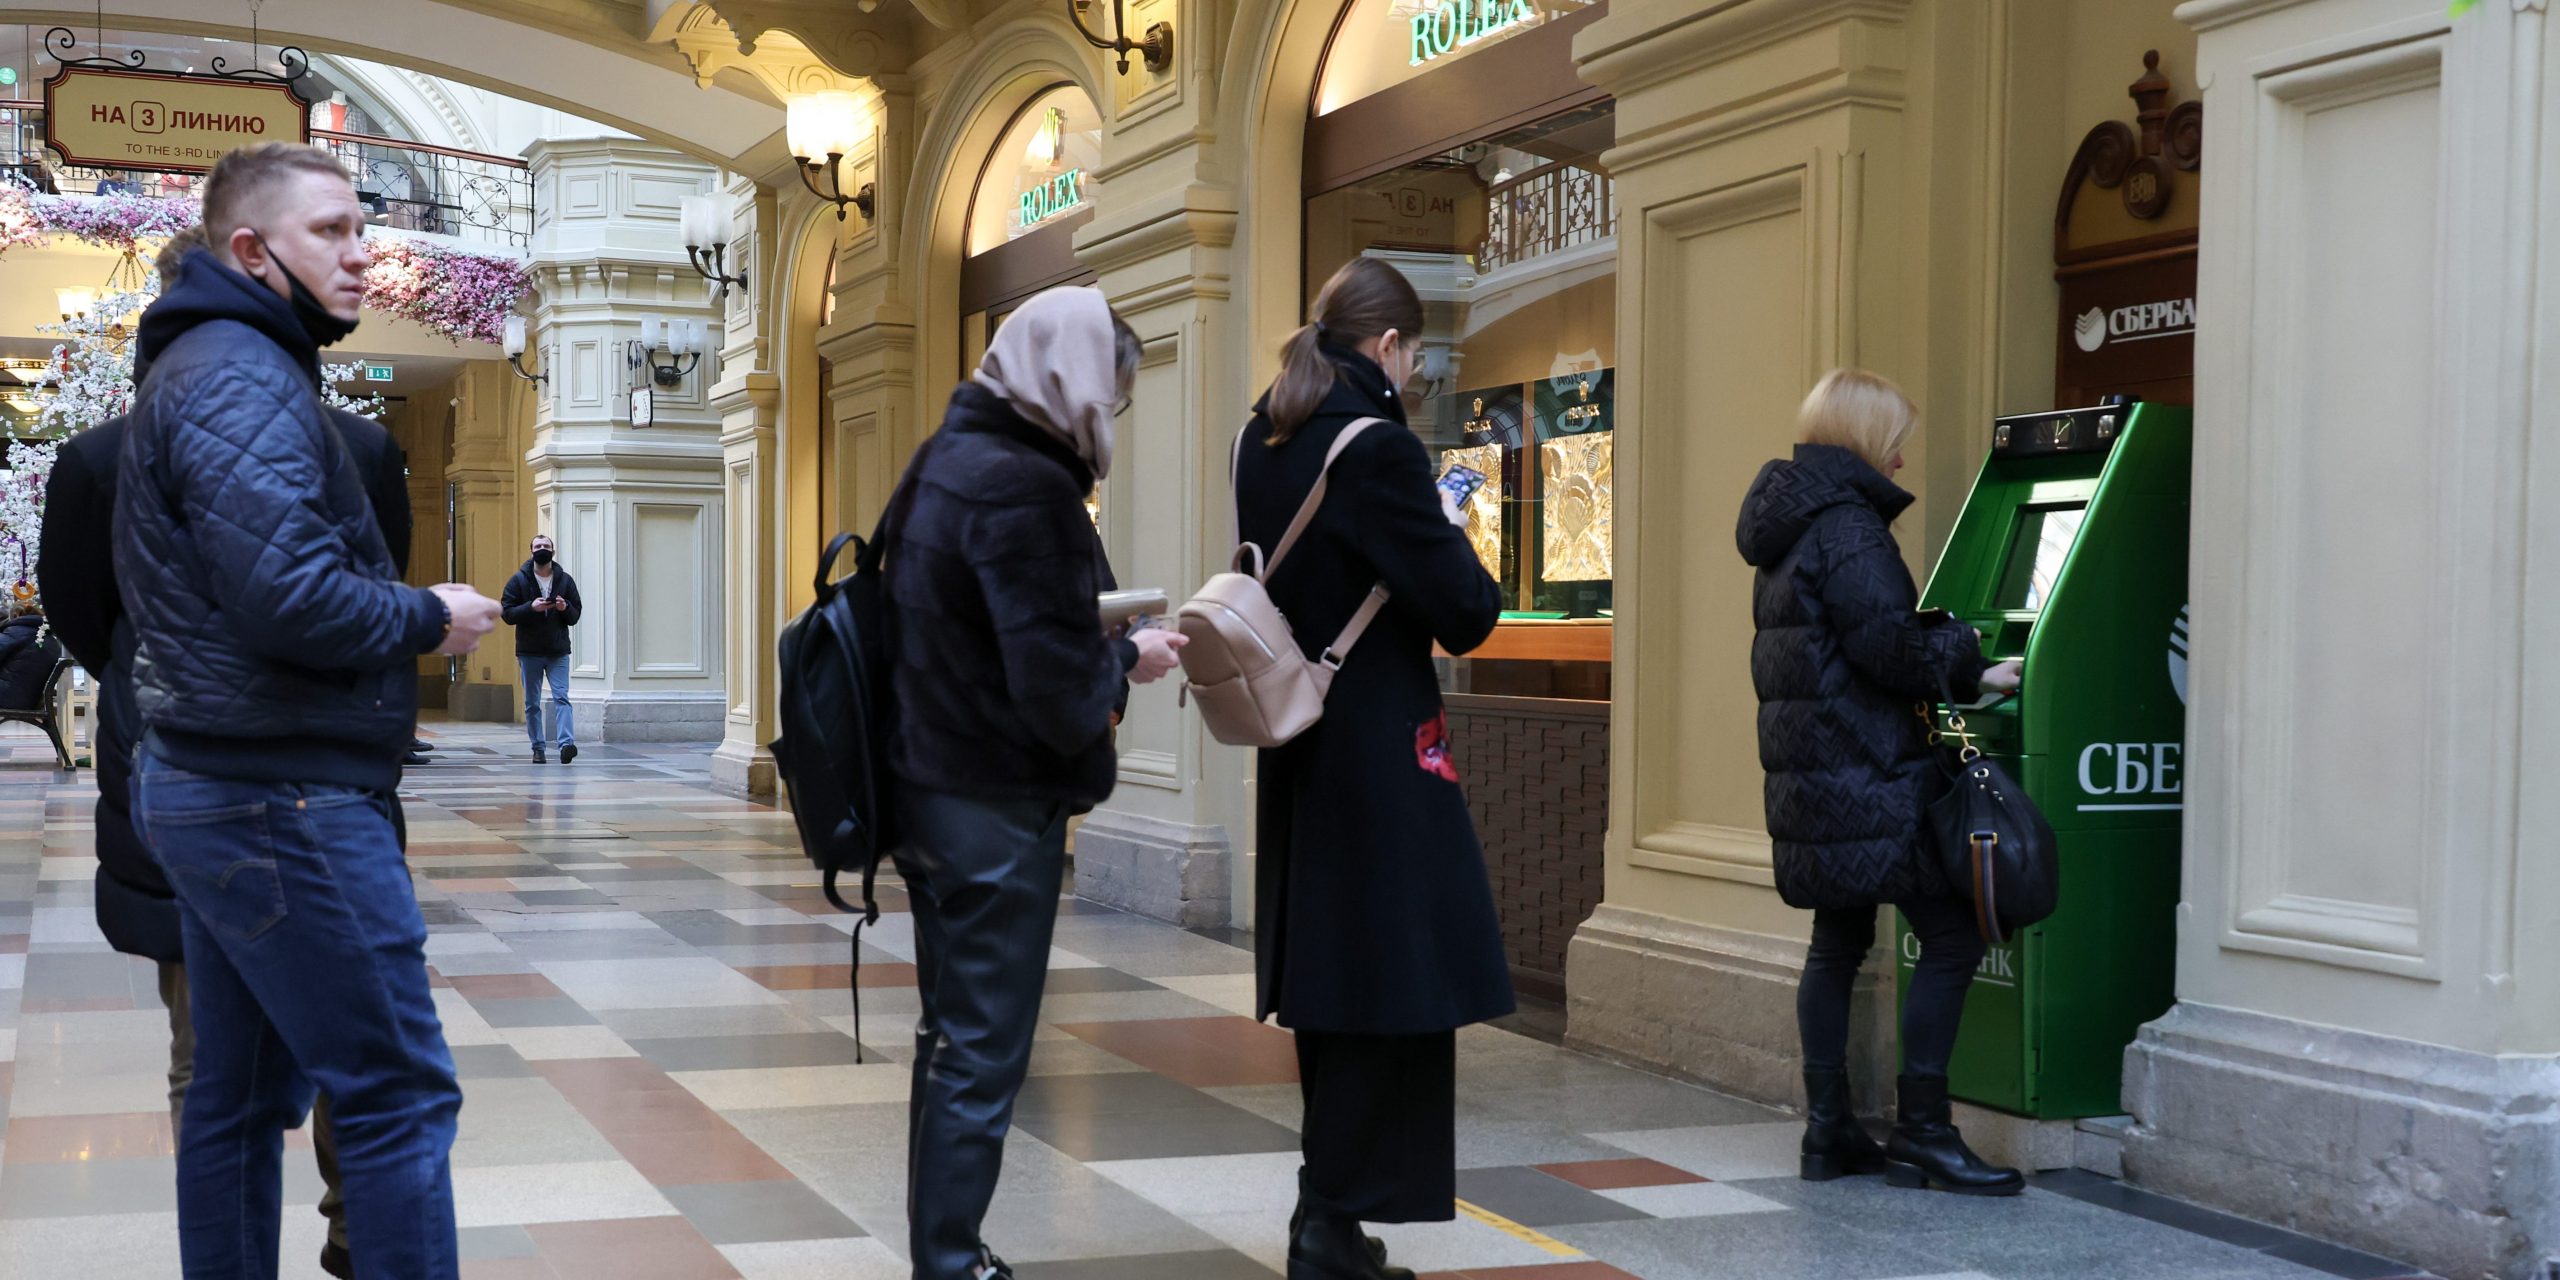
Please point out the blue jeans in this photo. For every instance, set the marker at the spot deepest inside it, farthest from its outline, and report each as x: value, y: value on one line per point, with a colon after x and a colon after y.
x: 536, y: 670
x: 306, y: 966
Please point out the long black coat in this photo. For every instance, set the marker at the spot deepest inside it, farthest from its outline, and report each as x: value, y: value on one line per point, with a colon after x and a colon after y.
x: 1842, y: 660
x: 1373, y: 910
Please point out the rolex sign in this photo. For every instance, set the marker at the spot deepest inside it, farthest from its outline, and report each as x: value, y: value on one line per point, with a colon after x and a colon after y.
x: 165, y: 123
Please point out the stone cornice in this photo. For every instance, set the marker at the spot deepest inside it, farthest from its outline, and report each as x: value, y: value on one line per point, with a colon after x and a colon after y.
x: 1198, y: 216
x: 791, y: 46
x: 1643, y: 42
x: 756, y: 389
x: 2205, y: 15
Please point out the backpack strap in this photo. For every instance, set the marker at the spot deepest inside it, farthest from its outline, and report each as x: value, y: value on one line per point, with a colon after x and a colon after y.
x: 1330, y: 661
x: 1315, y: 497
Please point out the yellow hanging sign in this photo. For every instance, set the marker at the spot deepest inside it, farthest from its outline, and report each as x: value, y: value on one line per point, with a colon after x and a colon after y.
x: 165, y: 123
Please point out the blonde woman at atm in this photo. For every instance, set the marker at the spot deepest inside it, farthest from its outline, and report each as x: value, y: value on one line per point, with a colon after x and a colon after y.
x: 1840, y: 657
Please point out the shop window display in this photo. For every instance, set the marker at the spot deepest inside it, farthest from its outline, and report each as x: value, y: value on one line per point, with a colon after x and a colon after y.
x: 1512, y: 242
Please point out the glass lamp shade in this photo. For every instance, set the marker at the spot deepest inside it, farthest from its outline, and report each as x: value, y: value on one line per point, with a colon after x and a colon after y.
x: 684, y: 337
x: 701, y: 223
x: 652, y: 331
x: 75, y: 300
x: 512, y: 341
x: 823, y: 124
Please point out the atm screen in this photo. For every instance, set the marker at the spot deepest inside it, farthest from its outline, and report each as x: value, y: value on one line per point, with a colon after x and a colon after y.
x: 2044, y: 537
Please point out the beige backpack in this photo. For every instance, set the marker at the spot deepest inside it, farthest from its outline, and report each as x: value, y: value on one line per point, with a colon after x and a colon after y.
x: 1242, y: 663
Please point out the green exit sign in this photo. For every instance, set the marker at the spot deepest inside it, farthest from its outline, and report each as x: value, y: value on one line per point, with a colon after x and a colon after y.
x: 377, y: 373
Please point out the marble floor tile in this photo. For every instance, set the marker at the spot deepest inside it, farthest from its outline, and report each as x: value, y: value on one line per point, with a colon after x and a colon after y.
x: 645, y: 997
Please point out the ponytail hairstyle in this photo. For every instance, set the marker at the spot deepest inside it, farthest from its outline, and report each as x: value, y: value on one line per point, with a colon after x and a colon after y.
x: 1364, y: 299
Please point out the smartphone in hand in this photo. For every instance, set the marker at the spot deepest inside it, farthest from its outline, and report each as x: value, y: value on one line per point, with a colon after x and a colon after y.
x: 1460, y: 482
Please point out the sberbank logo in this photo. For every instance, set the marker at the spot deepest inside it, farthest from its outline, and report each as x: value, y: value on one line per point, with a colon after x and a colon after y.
x: 2178, y: 655
x: 2141, y: 322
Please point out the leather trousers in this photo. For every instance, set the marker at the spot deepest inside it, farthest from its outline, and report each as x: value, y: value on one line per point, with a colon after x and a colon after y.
x: 982, y: 878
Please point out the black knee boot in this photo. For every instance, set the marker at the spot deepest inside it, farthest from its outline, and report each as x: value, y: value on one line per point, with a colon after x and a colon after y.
x: 1835, y: 1144
x: 1926, y: 1150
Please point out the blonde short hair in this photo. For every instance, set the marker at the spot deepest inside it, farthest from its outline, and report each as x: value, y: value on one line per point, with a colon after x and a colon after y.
x: 1861, y: 412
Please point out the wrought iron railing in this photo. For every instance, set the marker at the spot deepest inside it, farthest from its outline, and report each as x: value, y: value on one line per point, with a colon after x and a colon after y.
x: 1548, y: 209
x: 413, y: 186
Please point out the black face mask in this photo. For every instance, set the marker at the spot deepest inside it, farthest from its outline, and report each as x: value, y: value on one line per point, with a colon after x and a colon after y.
x: 543, y: 557
x: 323, y: 328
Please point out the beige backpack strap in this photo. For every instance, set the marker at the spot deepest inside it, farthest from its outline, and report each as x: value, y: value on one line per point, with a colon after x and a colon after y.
x: 1315, y: 497
x: 1331, y: 660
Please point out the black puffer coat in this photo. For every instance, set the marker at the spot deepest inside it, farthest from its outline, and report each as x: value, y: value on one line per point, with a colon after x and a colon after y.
x: 28, y: 650
x: 275, y: 640
x: 1841, y: 660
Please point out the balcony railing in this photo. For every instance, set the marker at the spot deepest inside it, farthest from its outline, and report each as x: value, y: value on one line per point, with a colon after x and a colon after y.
x: 412, y: 186
x: 1548, y: 209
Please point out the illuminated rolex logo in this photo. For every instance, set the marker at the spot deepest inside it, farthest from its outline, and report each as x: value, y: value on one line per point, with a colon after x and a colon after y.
x: 1054, y: 197
x: 1454, y: 24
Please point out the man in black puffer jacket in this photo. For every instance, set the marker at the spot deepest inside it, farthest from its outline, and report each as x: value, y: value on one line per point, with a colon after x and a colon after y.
x: 275, y: 680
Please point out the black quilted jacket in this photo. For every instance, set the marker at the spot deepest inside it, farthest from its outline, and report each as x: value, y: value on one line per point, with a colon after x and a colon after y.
x: 275, y: 641
x: 1840, y: 660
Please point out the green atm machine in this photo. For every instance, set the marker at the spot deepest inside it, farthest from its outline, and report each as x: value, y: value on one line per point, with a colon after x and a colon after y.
x: 2072, y: 554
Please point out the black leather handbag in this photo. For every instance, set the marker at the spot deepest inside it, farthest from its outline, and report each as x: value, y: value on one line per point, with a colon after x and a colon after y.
x: 1993, y: 843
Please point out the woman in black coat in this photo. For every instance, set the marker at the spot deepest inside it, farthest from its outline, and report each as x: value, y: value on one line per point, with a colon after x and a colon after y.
x: 1375, y: 935
x: 1842, y: 661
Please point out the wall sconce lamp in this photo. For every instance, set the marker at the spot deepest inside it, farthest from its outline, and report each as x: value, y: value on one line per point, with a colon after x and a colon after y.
x: 1157, y: 47
x: 824, y: 128
x: 680, y: 339
x: 74, y: 301
x: 513, y: 344
x: 708, y: 245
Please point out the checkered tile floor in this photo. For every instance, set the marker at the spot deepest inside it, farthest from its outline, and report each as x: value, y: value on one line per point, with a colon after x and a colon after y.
x: 645, y: 995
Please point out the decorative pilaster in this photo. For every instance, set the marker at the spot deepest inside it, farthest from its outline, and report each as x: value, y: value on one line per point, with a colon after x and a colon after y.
x: 638, y: 511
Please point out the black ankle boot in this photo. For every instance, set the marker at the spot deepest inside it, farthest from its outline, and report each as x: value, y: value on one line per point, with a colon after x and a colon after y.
x: 1326, y: 1246
x: 1298, y: 1218
x: 1925, y: 1149
x: 1835, y: 1144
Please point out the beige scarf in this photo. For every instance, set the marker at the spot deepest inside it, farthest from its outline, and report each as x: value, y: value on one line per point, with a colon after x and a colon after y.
x: 1055, y: 362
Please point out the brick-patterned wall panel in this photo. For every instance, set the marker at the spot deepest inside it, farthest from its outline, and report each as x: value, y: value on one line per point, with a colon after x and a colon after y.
x: 1537, y: 777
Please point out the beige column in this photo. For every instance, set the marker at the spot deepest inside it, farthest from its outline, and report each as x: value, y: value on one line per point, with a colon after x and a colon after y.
x: 2367, y: 1039
x: 492, y: 412
x: 748, y: 400
x: 1791, y: 201
x: 1167, y: 843
x: 637, y: 509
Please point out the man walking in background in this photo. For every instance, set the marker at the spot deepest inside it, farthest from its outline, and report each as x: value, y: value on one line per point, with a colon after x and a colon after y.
x: 275, y: 679
x: 541, y: 603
